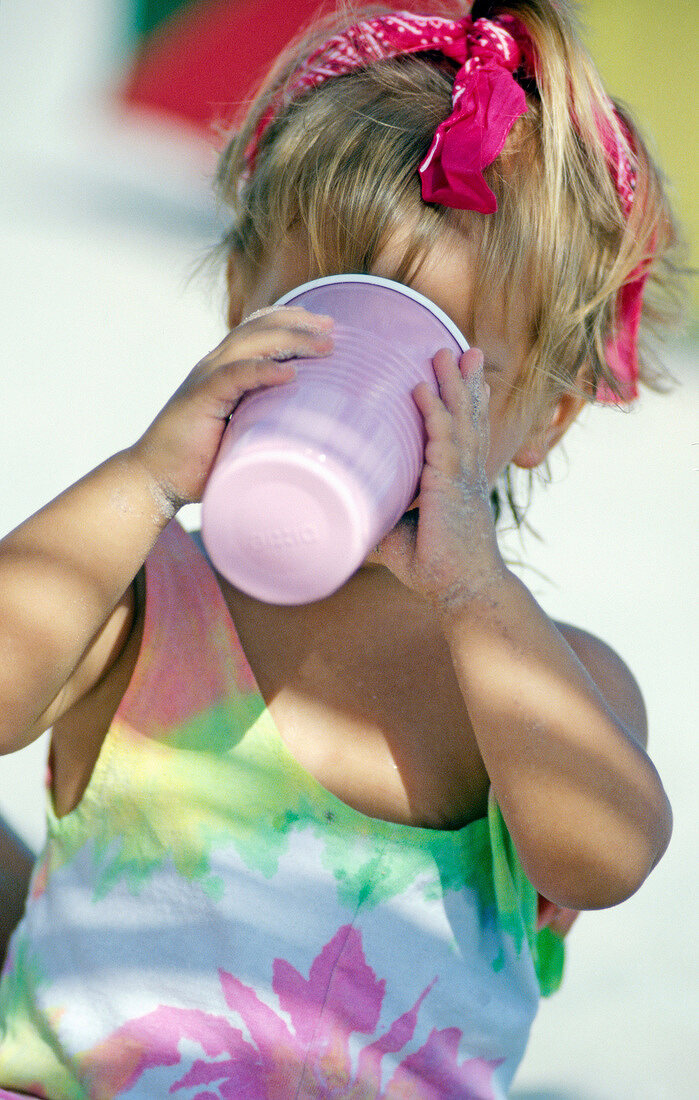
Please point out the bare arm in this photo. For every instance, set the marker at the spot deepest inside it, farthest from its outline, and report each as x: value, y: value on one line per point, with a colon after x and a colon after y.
x: 66, y: 604
x: 64, y: 608
x: 583, y: 802
x: 558, y: 719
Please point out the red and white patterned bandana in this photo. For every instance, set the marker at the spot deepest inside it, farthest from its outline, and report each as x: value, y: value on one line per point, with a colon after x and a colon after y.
x: 494, y: 57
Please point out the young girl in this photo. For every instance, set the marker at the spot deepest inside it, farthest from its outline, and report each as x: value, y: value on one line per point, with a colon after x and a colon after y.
x: 328, y: 851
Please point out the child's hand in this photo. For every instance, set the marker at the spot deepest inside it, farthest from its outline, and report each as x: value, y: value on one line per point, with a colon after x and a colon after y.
x: 180, y: 446
x: 66, y: 574
x: 446, y: 549
x: 555, y: 917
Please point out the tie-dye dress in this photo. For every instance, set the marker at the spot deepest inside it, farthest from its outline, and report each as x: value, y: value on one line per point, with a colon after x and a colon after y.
x: 210, y: 922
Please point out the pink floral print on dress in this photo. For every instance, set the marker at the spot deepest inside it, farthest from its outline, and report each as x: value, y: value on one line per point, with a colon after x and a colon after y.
x: 311, y: 1059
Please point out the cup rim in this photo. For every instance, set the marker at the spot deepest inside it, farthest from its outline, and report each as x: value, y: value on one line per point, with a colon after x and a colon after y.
x: 390, y: 284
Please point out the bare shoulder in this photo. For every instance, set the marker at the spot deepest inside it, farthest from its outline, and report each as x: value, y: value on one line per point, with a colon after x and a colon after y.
x: 612, y: 676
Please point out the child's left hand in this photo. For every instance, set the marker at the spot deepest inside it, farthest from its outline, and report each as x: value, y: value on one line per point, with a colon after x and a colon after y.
x: 559, y: 739
x: 555, y: 917
x: 445, y: 548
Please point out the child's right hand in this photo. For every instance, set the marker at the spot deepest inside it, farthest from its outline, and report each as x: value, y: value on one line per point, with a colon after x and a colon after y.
x: 66, y: 574
x: 179, y: 448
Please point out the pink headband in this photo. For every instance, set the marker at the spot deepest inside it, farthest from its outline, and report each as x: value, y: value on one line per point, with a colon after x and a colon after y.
x: 487, y: 98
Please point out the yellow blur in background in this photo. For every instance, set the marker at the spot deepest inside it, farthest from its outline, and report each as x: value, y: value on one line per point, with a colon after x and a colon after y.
x: 646, y: 54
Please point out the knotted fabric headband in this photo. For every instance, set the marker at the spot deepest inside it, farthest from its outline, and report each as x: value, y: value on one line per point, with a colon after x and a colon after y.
x: 494, y: 56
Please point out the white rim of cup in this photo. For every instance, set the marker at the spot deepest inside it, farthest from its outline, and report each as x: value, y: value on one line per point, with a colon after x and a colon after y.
x: 390, y: 284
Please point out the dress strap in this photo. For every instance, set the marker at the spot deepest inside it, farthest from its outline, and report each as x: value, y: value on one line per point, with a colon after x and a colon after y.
x: 186, y: 621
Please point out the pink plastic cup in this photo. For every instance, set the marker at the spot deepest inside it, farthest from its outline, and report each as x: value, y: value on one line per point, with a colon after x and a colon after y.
x: 312, y: 474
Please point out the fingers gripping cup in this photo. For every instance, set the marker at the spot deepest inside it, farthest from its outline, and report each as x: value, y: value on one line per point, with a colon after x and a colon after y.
x: 312, y: 474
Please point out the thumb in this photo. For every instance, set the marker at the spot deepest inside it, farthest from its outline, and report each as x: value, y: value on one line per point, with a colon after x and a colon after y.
x: 397, y: 550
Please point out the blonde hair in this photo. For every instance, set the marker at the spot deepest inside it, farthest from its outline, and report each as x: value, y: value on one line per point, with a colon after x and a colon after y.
x: 339, y: 164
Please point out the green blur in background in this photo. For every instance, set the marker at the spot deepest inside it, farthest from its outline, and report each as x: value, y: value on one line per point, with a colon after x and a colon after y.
x: 646, y: 54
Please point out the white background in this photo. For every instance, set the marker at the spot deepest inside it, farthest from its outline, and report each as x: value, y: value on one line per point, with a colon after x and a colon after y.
x: 102, y: 224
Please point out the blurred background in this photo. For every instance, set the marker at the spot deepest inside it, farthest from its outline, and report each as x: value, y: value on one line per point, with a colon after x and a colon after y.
x: 106, y: 217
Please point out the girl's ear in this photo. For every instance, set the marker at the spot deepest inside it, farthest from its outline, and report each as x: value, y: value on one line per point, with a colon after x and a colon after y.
x: 549, y: 430
x: 236, y: 290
